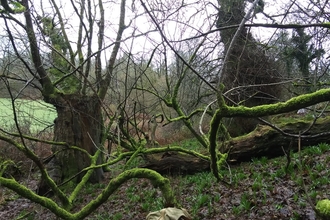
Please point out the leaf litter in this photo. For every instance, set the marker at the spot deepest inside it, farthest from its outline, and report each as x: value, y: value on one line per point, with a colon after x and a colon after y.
x: 259, y: 190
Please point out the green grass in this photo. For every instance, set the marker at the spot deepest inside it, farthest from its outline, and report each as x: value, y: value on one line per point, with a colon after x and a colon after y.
x: 190, y: 144
x: 262, y: 184
x: 26, y: 215
x: 106, y: 216
x: 32, y: 116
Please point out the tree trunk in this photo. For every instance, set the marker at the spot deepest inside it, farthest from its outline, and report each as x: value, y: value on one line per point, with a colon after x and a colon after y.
x: 265, y: 141
x: 79, y: 123
x: 173, y: 163
x: 247, y: 65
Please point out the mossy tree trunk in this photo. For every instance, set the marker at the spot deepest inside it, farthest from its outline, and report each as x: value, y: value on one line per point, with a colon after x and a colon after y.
x: 79, y: 123
x: 246, y: 65
x: 268, y: 142
x: 225, y: 111
x: 77, y: 101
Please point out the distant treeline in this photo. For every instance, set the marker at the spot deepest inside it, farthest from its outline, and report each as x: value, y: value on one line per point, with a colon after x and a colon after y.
x: 20, y: 89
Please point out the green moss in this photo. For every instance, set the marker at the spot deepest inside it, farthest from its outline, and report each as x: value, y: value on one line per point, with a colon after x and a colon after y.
x: 221, y: 159
x: 323, y: 208
x: 84, y: 180
x: 18, y: 7
x: 29, y: 194
x: 176, y: 148
x: 156, y: 179
x: 4, y: 164
x: 15, y: 9
x: 292, y: 104
x: 134, y: 155
x: 216, y: 120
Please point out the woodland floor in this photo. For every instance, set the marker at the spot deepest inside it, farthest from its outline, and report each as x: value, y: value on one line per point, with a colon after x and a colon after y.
x: 260, y: 189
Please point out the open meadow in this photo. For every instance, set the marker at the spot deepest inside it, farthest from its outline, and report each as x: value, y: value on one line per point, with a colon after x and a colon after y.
x: 33, y: 116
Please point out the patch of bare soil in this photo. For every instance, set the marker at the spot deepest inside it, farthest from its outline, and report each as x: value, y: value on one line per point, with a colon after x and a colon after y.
x: 259, y: 190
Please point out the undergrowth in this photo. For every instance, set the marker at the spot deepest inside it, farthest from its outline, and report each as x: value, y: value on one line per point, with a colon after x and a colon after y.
x: 263, y: 188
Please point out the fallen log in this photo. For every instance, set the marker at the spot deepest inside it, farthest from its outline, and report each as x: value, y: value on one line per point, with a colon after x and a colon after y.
x: 173, y: 163
x: 263, y: 141
x: 268, y: 142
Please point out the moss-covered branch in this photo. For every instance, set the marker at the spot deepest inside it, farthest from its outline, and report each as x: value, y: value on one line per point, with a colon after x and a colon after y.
x: 29, y: 154
x: 149, y: 151
x: 35, y: 139
x: 156, y: 179
x: 292, y: 104
x: 85, y: 178
x: 29, y: 194
x: 213, y: 143
x: 257, y: 111
x: 178, y: 149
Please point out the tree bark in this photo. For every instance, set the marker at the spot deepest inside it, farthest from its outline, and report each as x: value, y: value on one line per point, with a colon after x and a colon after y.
x: 247, y: 65
x: 265, y: 141
x: 174, y: 163
x: 79, y: 123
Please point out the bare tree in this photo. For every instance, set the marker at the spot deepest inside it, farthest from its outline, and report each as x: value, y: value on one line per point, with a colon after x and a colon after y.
x: 185, y: 44
x: 248, y: 78
x: 67, y: 48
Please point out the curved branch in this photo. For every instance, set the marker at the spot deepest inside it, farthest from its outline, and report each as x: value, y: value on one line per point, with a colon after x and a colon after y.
x: 22, y: 190
x: 216, y: 120
x: 156, y: 179
x: 29, y: 194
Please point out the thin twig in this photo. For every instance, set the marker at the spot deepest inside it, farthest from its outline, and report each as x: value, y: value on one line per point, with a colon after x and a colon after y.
x: 173, y: 49
x: 302, y: 178
x: 202, y: 117
x: 315, y: 119
x: 293, y: 135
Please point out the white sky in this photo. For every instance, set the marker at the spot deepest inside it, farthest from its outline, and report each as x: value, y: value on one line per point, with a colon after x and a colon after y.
x: 187, y: 26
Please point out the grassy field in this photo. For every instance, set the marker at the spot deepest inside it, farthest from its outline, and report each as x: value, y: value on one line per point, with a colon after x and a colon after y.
x: 33, y: 116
